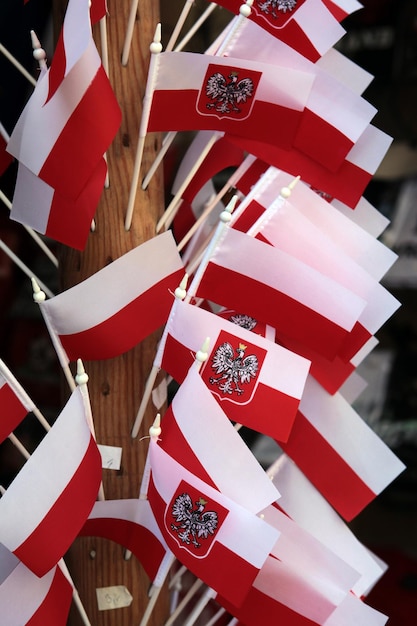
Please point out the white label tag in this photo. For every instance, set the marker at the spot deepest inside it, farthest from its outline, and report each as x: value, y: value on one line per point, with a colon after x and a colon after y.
x: 115, y: 597
x: 111, y: 457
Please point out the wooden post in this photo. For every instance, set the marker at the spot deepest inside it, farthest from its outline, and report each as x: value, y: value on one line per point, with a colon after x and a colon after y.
x: 116, y: 385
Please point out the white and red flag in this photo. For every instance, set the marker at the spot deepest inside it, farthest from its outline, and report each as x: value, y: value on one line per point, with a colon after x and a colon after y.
x: 193, y: 91
x: 286, y: 227
x: 33, y: 601
x: 338, y: 452
x: 304, y: 504
x: 347, y: 184
x: 308, y: 26
x: 256, y: 382
x: 318, y: 580
x: 130, y: 523
x: 134, y: 293
x: 263, y: 603
x: 196, y: 432
x: 15, y: 404
x: 250, y: 276
x: 335, y: 116
x: 219, y: 541
x: 40, y: 516
x: 67, y: 220
x: 73, y: 115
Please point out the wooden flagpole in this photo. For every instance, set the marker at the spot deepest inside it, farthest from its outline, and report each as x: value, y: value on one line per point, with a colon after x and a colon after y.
x: 98, y: 566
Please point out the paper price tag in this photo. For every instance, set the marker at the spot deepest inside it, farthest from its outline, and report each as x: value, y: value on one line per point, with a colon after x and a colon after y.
x: 111, y: 457
x: 115, y: 597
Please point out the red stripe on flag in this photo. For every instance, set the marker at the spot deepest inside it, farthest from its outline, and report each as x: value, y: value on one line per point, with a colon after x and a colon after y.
x: 133, y: 536
x: 321, y: 141
x: 347, y: 184
x: 356, y: 339
x: 49, y: 541
x: 56, y: 605
x: 326, y: 469
x: 12, y: 411
x: 127, y: 327
x: 177, y: 110
x: 84, y: 139
x: 70, y: 220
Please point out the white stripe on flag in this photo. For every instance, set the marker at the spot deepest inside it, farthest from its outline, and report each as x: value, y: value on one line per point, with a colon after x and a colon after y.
x: 47, y: 465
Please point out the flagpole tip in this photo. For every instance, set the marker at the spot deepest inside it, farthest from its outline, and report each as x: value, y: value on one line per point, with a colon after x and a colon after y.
x: 156, y: 46
x: 202, y: 354
x: 38, y: 294
x: 226, y: 215
x: 245, y: 9
x: 81, y: 377
x: 155, y: 430
x: 181, y: 290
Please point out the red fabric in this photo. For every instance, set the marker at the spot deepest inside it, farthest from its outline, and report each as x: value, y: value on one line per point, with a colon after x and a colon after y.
x: 56, y: 605
x: 12, y: 411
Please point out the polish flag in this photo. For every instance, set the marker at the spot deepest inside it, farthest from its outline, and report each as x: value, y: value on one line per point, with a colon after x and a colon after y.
x: 72, y: 116
x: 188, y: 94
x: 130, y: 523
x: 350, y: 234
x: 195, y: 430
x: 270, y: 379
x: 348, y: 183
x: 286, y: 228
x: 32, y: 601
x: 59, y: 217
x: 245, y: 274
x: 304, y: 504
x: 318, y: 579
x: 230, y: 544
x: 335, y: 116
x: 307, y: 25
x: 263, y: 603
x: 15, y: 404
x: 134, y: 293
x: 40, y: 517
x: 355, y: 464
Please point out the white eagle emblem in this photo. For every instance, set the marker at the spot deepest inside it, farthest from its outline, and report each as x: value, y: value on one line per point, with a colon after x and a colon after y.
x: 228, y: 92
x: 273, y: 6
x: 244, y: 321
x: 233, y: 370
x: 193, y: 524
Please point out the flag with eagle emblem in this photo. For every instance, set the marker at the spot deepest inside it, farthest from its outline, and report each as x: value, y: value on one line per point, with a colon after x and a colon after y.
x: 308, y: 26
x: 193, y: 91
x: 219, y: 541
x: 256, y: 382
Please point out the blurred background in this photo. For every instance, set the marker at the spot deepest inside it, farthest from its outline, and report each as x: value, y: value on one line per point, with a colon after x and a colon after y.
x: 381, y: 38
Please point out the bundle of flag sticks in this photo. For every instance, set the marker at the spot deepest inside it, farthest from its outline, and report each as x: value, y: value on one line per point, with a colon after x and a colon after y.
x: 268, y: 303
